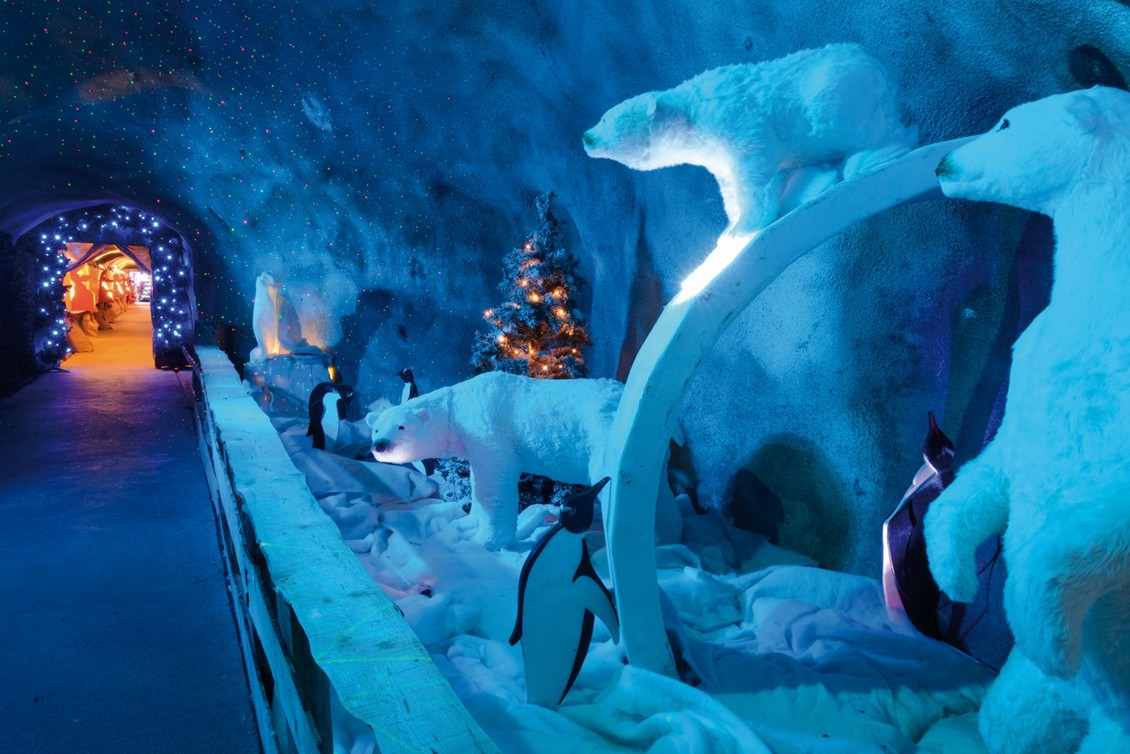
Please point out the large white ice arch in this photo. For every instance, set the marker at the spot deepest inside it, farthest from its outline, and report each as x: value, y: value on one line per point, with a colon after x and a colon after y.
x: 674, y: 350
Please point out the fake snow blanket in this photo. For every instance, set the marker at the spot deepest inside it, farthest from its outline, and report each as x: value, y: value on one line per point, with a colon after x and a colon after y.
x: 776, y: 655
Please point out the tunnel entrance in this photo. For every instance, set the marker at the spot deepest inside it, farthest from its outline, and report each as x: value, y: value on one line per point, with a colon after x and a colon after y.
x: 98, y: 262
x: 102, y: 283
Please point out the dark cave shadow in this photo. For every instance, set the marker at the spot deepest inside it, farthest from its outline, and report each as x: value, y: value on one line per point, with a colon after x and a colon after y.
x: 789, y: 492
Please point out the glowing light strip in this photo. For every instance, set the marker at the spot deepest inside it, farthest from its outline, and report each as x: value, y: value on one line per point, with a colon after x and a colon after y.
x: 725, y: 252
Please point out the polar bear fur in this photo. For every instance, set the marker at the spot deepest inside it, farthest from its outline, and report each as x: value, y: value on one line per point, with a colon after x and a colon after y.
x: 751, y: 124
x: 1057, y: 475
x: 504, y: 425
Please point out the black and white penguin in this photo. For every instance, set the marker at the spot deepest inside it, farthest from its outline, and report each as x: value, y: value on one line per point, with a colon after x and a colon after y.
x: 559, y: 593
x: 410, y: 390
x: 426, y: 466
x: 908, y: 584
x: 327, y: 407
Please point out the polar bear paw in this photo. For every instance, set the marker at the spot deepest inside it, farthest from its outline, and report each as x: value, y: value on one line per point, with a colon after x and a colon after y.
x: 952, y: 560
x: 480, y: 529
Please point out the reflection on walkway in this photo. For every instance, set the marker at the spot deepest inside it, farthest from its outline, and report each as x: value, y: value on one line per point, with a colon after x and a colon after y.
x: 129, y: 345
x: 115, y: 621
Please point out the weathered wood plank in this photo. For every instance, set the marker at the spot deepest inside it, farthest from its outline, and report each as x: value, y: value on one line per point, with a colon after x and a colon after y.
x: 383, y: 676
x: 236, y: 565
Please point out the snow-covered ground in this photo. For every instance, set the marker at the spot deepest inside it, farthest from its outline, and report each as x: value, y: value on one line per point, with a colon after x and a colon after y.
x: 775, y: 654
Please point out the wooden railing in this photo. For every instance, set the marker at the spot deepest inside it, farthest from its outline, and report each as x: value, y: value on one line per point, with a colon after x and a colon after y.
x: 327, y: 653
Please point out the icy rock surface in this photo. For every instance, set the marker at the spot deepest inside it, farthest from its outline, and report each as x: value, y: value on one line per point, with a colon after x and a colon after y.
x: 381, y: 157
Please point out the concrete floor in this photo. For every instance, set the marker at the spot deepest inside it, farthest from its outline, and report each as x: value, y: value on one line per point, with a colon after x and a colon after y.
x: 116, y: 633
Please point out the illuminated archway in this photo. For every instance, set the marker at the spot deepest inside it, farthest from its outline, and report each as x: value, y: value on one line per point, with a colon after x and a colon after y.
x: 136, y: 234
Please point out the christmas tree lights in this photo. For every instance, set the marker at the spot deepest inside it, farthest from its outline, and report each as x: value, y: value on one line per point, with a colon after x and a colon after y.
x: 537, y: 331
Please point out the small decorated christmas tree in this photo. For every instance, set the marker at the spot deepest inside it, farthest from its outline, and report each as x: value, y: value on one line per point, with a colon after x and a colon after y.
x: 537, y: 330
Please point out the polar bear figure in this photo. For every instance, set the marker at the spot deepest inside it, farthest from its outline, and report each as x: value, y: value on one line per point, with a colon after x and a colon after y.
x: 504, y: 425
x: 274, y: 321
x: 753, y: 124
x: 1057, y: 474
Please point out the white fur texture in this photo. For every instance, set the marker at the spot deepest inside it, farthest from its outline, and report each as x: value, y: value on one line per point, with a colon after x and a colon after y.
x: 504, y: 424
x: 751, y: 124
x: 1058, y: 472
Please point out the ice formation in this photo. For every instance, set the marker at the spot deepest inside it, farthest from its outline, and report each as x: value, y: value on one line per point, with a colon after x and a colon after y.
x: 274, y: 320
x: 750, y: 125
x: 1058, y: 472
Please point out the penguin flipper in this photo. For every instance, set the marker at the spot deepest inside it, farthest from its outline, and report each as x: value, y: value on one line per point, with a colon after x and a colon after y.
x: 314, y: 429
x: 595, y: 596
x: 582, y: 652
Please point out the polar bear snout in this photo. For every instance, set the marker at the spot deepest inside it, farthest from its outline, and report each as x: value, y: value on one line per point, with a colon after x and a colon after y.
x: 947, y: 168
x: 381, y: 446
x: 595, y: 146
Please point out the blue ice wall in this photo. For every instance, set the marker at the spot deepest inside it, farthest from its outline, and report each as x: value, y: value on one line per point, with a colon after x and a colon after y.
x: 382, y: 157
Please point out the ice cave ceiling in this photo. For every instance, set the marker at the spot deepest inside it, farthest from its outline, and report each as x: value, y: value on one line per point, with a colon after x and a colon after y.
x: 381, y: 157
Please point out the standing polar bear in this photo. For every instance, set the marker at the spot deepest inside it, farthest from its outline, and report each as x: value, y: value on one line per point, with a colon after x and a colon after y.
x: 504, y: 425
x: 1057, y: 475
x: 751, y: 124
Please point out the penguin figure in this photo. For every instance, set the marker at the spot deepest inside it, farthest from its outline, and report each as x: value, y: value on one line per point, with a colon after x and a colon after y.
x: 908, y: 585
x: 410, y: 390
x: 328, y: 406
x: 426, y: 466
x: 559, y: 593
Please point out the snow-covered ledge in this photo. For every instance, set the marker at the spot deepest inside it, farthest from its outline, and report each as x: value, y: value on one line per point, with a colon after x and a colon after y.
x: 327, y: 652
x: 670, y: 358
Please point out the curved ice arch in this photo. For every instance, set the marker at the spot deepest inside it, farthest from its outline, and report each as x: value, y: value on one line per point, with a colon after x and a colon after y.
x: 727, y: 282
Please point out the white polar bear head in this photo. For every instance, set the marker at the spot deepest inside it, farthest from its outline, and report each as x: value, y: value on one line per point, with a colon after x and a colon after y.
x: 1039, y: 152
x: 639, y: 132
x: 402, y: 434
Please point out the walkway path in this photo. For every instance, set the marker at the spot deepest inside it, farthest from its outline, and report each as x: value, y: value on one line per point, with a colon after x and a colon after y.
x: 116, y: 633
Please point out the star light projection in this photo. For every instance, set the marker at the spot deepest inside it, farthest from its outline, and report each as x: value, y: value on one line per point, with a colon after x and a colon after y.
x: 172, y: 302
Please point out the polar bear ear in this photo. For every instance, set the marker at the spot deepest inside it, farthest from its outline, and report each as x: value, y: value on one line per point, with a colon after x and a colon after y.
x: 371, y: 419
x: 665, y: 107
x: 424, y: 415
x: 1086, y: 112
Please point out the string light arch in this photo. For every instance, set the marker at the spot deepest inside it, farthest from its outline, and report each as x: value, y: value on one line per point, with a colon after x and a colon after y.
x: 172, y: 306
